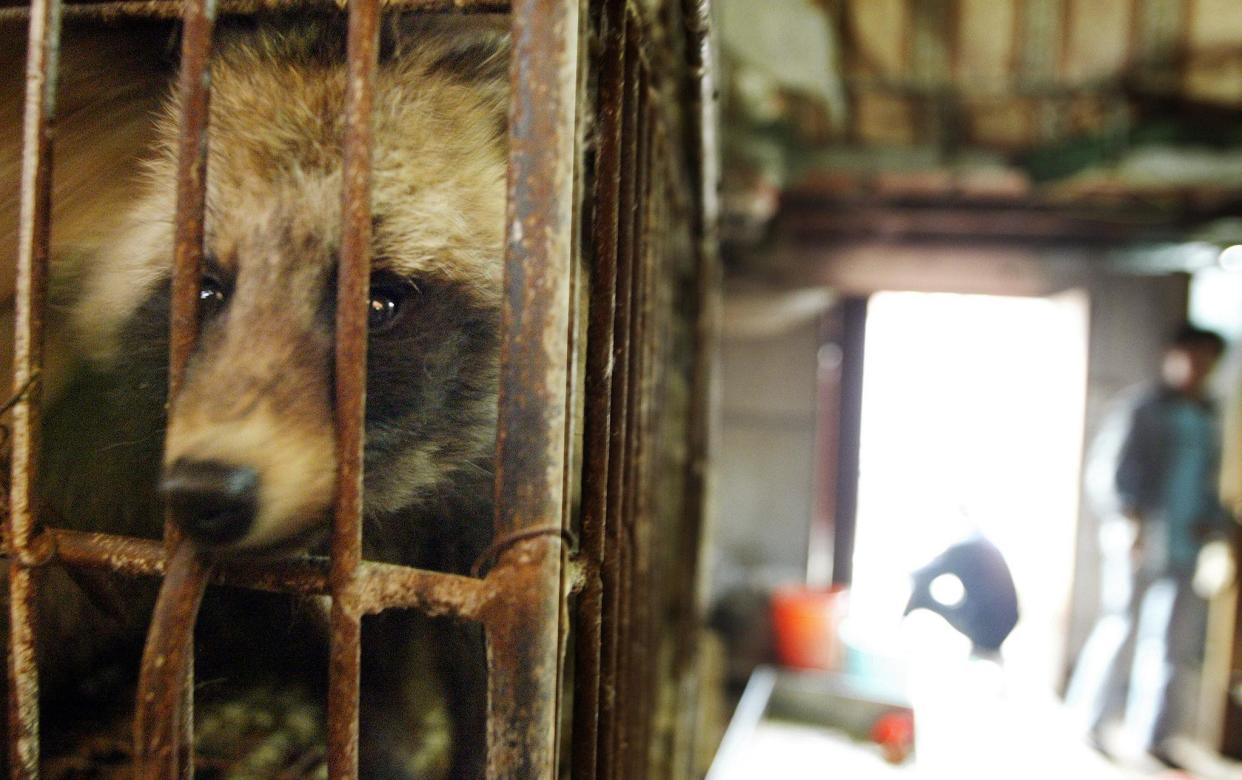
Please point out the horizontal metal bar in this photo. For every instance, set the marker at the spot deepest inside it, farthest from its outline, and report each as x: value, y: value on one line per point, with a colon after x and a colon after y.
x: 119, y: 554
x: 384, y: 586
x: 380, y: 586
x: 172, y: 9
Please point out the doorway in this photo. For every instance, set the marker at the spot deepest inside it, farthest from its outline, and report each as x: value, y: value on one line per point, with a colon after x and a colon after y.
x: 972, y: 422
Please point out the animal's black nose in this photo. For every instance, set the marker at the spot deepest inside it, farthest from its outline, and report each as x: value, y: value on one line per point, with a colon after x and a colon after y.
x: 213, y: 502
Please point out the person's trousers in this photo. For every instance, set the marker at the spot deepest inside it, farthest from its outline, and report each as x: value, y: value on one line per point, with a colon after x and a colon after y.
x: 1142, y: 662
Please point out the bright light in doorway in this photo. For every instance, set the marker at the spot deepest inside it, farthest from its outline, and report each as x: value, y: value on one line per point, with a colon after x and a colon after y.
x: 1230, y: 258
x: 972, y: 422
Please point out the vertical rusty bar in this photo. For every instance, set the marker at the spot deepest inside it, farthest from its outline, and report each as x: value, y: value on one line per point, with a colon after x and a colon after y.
x: 353, y: 284
x: 575, y: 402
x: 596, y: 418
x: 35, y: 229
x: 194, y: 88
x: 194, y: 93
x: 632, y: 596
x: 700, y: 141
x: 647, y: 445
x: 522, y: 618
x: 618, y: 768
x: 161, y: 747
x: 535, y: 312
x: 611, y: 572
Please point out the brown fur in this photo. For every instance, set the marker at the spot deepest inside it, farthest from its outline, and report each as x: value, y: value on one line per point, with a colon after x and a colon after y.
x: 258, y: 389
x: 261, y: 385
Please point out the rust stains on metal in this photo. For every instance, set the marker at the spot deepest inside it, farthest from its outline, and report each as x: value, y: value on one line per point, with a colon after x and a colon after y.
x: 172, y: 9
x: 23, y: 675
x: 534, y: 315
x: 625, y: 591
x: 521, y: 620
x: 520, y: 623
x: 123, y: 555
x: 383, y: 586
x: 497, y: 548
x: 598, y: 409
x: 32, y: 256
x: 353, y: 284
x: 622, y: 414
x: 700, y: 138
x: 194, y: 94
x: 637, y: 593
x: 380, y: 586
x: 159, y: 746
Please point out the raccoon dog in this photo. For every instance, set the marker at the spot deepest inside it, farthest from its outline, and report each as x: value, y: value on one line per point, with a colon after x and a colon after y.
x: 244, y: 459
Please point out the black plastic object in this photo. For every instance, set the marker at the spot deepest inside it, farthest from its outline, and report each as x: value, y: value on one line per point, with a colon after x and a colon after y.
x: 987, y: 609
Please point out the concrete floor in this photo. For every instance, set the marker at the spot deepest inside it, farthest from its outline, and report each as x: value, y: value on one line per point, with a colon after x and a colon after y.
x: 797, y: 751
x: 970, y: 723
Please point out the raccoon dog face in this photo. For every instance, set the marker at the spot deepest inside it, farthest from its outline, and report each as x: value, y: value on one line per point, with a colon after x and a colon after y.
x: 249, y: 461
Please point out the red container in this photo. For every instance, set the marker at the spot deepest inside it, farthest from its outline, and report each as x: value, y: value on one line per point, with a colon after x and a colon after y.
x: 805, y: 621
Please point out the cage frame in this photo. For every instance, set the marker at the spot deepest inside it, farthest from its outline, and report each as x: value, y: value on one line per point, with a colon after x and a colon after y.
x: 534, y: 578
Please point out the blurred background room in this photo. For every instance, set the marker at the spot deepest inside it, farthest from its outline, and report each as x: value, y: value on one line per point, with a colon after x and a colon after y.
x: 958, y: 236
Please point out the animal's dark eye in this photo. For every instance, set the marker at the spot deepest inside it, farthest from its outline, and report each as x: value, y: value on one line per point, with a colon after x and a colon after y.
x: 389, y: 300
x: 211, y: 296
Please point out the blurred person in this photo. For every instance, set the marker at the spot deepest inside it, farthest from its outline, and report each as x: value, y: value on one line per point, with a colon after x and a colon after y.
x: 1153, y: 474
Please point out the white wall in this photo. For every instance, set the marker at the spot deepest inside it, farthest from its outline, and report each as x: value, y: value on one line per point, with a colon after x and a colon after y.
x: 765, y: 462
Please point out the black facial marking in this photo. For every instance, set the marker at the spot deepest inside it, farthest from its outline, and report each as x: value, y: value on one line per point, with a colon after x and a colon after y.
x: 429, y: 368
x: 431, y: 375
x: 109, y: 428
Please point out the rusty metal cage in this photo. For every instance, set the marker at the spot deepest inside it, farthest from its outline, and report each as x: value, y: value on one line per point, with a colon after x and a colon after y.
x: 589, y: 615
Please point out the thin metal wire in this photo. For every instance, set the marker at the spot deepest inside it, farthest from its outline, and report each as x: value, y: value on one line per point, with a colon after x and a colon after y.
x: 498, y: 547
